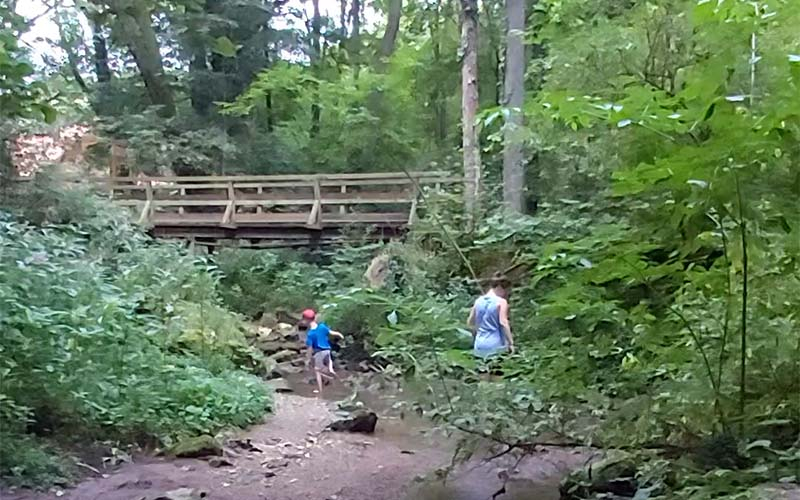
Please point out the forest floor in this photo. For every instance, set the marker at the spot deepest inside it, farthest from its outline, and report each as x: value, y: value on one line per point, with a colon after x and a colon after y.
x: 296, y: 460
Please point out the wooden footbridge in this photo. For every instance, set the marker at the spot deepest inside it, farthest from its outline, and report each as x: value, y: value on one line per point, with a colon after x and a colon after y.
x: 276, y: 210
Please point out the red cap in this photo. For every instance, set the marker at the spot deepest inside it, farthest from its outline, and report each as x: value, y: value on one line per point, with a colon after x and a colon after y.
x: 309, y: 314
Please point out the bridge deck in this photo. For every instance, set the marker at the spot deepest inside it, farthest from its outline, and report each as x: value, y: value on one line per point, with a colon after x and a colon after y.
x: 291, y: 209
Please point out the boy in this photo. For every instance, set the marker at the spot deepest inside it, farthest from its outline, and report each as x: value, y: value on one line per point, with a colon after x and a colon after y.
x: 319, y: 347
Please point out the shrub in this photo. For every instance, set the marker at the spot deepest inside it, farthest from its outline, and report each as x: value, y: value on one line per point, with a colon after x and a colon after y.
x: 99, y: 340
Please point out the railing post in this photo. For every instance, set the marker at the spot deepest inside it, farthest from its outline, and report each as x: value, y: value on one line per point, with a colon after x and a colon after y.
x: 412, y: 214
x: 229, y: 217
x: 182, y: 195
x: 146, y: 214
x: 260, y: 191
x: 315, y: 216
x: 342, y: 190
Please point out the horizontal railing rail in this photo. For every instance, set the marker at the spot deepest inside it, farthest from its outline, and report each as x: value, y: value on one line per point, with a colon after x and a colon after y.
x: 274, y: 199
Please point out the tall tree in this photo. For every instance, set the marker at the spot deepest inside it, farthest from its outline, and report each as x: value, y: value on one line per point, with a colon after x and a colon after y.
x: 392, y: 27
x: 469, y: 107
x: 133, y: 25
x: 355, y: 19
x: 101, y: 67
x: 513, y: 167
x: 316, y: 55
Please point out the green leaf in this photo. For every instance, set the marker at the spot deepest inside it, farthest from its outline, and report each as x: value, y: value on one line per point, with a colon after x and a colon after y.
x: 224, y: 47
x: 761, y: 443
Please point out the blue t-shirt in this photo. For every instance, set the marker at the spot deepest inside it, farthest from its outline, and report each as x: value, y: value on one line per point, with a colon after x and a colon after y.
x: 317, y: 338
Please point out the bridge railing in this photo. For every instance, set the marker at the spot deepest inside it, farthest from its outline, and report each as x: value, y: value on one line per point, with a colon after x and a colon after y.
x: 275, y: 200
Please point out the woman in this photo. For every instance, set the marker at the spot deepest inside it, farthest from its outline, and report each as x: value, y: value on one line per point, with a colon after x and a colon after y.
x: 489, y: 320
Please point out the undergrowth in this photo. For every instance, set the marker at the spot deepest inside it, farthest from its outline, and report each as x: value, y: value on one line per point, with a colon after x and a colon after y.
x: 108, y: 335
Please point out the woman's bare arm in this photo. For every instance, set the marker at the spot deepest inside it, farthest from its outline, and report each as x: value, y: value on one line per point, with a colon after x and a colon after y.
x: 506, y: 325
x: 471, y: 321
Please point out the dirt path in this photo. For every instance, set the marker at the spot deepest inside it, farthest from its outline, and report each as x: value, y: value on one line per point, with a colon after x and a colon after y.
x: 298, y: 462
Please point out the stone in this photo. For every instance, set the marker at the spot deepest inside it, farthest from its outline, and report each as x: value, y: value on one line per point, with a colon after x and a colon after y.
x: 277, y: 346
x: 362, y: 422
x: 276, y: 463
x: 378, y: 271
x: 182, y: 494
x: 196, y: 447
x: 614, y: 474
x: 291, y: 367
x: 284, y: 355
x: 217, y: 462
x: 279, y: 385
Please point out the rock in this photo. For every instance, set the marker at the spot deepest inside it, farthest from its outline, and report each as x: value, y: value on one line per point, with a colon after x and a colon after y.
x: 615, y: 474
x: 268, y: 319
x: 217, y: 462
x: 284, y: 355
x: 291, y: 368
x: 362, y: 422
x: 269, y: 474
x: 291, y: 455
x: 276, y: 463
x: 246, y: 445
x: 277, y: 346
x: 196, y: 447
x: 142, y: 484
x: 280, y: 385
x: 182, y: 494
x: 378, y: 271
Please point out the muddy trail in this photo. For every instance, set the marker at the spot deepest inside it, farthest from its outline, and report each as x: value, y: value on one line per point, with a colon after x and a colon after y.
x: 290, y: 456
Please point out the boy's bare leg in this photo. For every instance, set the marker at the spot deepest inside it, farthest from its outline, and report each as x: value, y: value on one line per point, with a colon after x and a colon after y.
x: 319, y: 381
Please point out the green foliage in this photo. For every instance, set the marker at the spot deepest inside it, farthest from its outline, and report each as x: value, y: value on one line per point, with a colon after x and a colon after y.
x: 18, y: 97
x: 255, y: 282
x: 27, y: 462
x: 100, y: 339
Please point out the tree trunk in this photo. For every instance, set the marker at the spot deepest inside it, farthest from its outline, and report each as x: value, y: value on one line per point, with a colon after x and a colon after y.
x: 513, y: 168
x: 316, y: 49
x: 469, y: 108
x: 355, y: 19
x: 200, y: 96
x: 493, y: 39
x: 343, y: 20
x: 437, y: 97
x: 101, y: 68
x: 392, y: 28
x: 135, y: 28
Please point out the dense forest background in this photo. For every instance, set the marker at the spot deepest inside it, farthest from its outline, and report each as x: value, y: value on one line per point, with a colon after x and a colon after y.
x: 632, y: 165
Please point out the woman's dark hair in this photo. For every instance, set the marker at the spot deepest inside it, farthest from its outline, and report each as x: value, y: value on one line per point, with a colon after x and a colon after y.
x: 499, y: 280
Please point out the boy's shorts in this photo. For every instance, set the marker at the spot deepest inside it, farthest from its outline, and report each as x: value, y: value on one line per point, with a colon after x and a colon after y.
x: 322, y: 360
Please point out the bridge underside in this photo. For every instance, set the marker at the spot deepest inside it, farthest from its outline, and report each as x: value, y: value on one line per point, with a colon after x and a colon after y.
x: 276, y: 237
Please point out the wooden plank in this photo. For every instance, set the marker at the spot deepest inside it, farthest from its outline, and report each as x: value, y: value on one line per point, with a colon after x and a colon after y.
x: 389, y: 200
x: 289, y: 177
